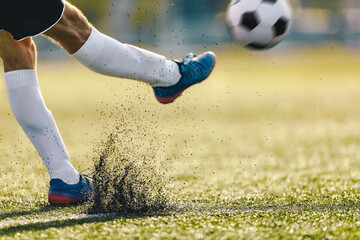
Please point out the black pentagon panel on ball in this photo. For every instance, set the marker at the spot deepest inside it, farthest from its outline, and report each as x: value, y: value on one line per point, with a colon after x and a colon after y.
x: 270, y: 1
x: 249, y: 20
x: 280, y: 26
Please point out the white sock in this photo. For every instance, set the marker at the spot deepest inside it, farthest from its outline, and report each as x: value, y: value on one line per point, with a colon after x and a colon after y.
x: 28, y: 107
x: 107, y: 56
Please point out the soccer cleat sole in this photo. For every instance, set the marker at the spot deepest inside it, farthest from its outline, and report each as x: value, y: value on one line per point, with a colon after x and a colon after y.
x: 62, y: 199
x: 169, y: 99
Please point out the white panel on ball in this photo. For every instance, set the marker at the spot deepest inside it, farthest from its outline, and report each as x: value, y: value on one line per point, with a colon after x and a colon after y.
x: 258, y: 24
x: 262, y: 33
x: 269, y: 14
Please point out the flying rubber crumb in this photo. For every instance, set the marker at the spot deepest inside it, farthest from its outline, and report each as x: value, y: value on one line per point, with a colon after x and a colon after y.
x: 123, y: 184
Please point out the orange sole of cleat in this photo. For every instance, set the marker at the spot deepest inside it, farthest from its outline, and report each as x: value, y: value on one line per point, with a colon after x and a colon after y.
x: 61, y: 199
x: 169, y: 99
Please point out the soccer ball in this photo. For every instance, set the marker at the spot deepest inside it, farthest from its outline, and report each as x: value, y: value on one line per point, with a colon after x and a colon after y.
x: 258, y: 24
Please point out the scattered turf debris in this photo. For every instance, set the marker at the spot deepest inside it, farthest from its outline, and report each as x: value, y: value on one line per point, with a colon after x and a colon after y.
x: 124, y: 185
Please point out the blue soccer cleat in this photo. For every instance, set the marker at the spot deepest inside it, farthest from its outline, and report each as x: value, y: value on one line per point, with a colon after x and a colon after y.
x: 193, y: 69
x: 61, y: 193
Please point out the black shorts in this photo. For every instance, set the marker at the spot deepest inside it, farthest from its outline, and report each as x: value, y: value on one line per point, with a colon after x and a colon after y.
x: 25, y: 18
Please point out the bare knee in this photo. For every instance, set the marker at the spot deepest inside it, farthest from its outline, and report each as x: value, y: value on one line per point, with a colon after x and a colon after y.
x: 72, y: 30
x: 17, y: 55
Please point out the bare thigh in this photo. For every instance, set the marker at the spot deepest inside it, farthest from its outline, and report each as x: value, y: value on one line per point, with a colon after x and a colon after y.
x: 17, y: 55
x: 72, y: 30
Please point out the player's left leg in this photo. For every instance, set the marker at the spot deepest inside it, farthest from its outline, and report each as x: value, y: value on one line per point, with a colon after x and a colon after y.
x: 29, y: 109
x: 107, y: 56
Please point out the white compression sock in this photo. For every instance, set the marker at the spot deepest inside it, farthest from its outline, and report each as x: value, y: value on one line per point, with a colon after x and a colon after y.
x: 107, y: 56
x: 28, y: 107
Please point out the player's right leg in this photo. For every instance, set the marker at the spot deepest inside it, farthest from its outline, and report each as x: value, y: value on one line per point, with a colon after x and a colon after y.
x: 107, y: 56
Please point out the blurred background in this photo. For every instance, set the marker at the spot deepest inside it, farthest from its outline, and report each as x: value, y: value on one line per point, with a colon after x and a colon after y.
x: 172, y: 26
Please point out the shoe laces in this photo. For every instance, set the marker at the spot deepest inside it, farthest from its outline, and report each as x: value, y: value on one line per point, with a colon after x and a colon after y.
x: 191, y: 66
x: 88, y: 173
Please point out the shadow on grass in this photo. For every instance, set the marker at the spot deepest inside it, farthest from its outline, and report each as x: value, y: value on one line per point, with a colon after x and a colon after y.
x: 66, y: 221
x: 44, y: 209
x: 38, y: 226
x: 44, y: 224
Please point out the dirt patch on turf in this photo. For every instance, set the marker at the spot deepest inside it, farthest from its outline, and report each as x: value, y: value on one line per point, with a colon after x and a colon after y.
x: 125, y: 182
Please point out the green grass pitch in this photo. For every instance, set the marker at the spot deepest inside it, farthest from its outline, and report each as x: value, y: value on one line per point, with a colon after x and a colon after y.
x: 267, y: 148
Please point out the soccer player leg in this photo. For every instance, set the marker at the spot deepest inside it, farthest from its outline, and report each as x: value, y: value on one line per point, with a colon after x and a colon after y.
x: 168, y: 78
x: 107, y: 56
x: 29, y: 109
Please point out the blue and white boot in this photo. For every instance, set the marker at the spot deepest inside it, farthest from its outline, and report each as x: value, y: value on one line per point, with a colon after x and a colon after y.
x: 61, y: 193
x: 193, y: 69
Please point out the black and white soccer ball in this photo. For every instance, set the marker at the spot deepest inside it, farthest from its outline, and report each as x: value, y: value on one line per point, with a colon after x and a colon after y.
x: 258, y: 24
